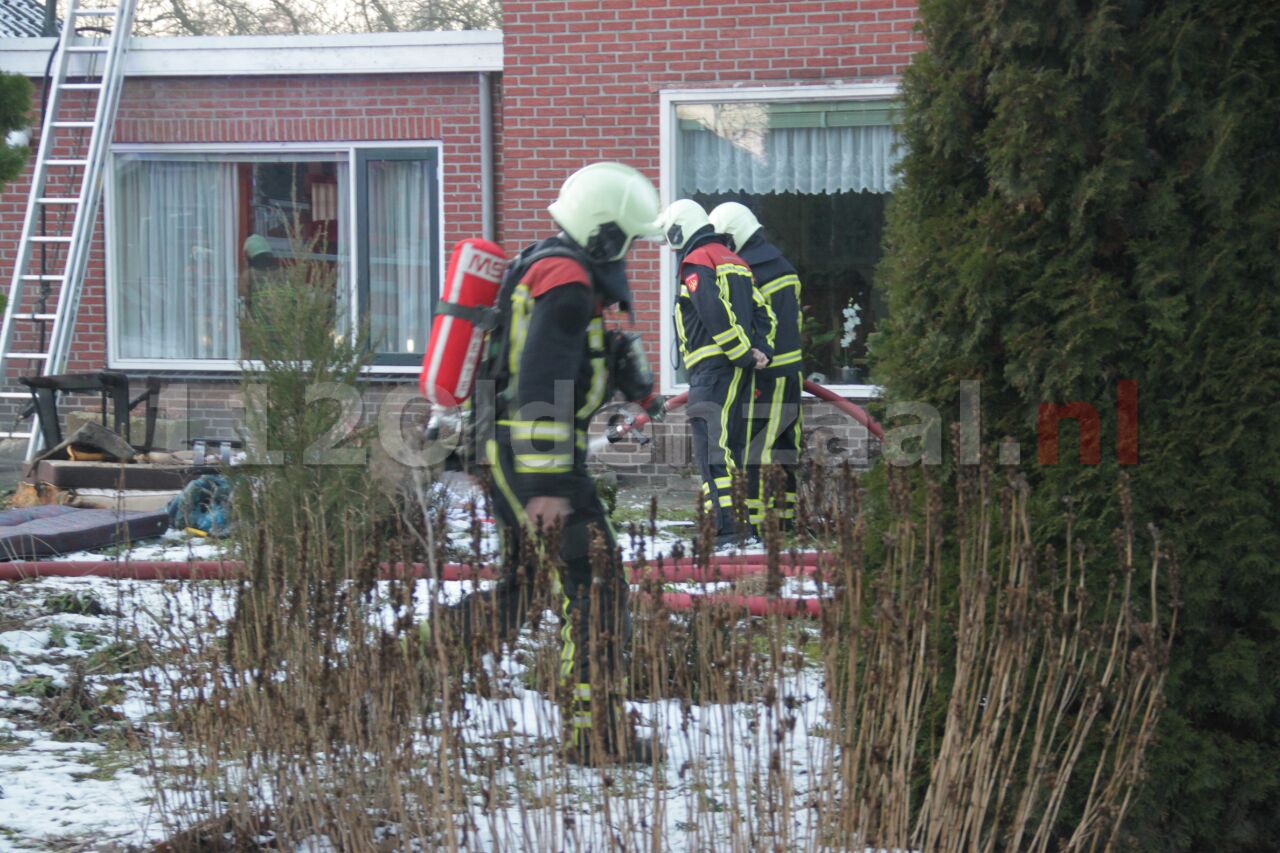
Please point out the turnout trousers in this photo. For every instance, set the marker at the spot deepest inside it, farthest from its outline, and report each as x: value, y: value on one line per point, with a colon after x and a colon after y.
x: 717, y: 412
x: 588, y: 585
x: 775, y: 436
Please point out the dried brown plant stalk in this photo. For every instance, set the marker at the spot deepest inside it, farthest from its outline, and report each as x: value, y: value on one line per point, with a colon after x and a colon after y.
x: 964, y: 690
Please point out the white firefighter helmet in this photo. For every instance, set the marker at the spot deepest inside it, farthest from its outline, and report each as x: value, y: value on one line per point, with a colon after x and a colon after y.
x: 684, y: 218
x: 603, y: 207
x: 737, y: 221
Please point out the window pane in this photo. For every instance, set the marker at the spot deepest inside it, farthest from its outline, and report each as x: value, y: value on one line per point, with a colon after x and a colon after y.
x: 197, y: 234
x: 817, y: 174
x: 401, y: 247
x: 177, y: 259
x: 294, y: 215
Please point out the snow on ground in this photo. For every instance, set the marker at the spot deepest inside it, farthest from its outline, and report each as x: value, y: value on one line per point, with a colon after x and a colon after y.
x: 62, y: 782
x: 174, y: 545
x: 59, y: 789
x: 63, y: 786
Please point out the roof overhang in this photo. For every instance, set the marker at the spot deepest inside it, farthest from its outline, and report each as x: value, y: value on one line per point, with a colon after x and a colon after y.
x: 221, y: 56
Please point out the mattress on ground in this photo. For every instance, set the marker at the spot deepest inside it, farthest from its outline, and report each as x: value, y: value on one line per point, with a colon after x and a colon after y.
x: 48, y: 531
x: 65, y: 474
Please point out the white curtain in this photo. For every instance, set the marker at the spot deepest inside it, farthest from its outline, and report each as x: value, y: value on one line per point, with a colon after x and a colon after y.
x: 797, y: 160
x: 400, y: 247
x: 177, y: 260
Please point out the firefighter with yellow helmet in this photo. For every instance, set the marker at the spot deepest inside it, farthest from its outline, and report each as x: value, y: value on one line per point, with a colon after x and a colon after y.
x: 546, y: 368
x: 725, y: 330
x: 774, y: 424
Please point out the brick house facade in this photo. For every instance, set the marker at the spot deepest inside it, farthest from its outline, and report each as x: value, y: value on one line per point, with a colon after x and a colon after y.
x: 571, y: 82
x: 584, y: 81
x: 320, y: 100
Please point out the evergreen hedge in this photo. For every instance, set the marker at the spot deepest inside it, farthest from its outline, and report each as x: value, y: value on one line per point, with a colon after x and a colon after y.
x: 1091, y: 192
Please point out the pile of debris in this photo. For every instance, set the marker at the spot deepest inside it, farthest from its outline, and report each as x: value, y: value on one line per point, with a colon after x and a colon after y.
x: 95, y: 489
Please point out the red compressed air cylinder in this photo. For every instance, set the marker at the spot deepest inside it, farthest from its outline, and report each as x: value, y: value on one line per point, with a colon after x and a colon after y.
x: 454, y: 349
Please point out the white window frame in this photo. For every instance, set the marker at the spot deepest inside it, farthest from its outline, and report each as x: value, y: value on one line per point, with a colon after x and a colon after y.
x: 347, y: 149
x: 668, y: 100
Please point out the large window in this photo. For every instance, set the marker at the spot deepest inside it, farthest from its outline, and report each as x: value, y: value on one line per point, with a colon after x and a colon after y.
x: 192, y: 233
x: 816, y: 167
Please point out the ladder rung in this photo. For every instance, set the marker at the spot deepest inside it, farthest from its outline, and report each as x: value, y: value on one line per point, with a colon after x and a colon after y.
x: 15, y: 435
x: 14, y: 395
x: 80, y: 86
x: 50, y: 239
x: 96, y: 13
x: 36, y: 318
x: 73, y: 124
x: 45, y: 277
x: 87, y: 48
x: 66, y: 162
x: 52, y: 200
x: 29, y: 356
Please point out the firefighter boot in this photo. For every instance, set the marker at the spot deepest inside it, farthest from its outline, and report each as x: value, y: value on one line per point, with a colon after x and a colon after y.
x: 613, y: 741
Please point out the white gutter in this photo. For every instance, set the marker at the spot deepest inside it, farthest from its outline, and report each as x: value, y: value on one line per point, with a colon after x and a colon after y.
x: 472, y: 52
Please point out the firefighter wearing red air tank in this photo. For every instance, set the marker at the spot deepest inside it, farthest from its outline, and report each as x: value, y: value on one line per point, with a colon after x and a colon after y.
x: 546, y: 368
x: 725, y: 329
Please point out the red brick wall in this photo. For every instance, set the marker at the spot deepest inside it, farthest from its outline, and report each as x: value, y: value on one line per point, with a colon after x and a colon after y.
x: 388, y: 108
x: 582, y: 82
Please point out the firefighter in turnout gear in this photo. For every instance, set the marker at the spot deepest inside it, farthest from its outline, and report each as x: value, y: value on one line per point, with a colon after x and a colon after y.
x: 725, y: 329
x: 775, y: 430
x: 545, y: 366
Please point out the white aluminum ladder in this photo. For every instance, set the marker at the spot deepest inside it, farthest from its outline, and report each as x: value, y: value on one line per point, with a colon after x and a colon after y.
x: 66, y: 186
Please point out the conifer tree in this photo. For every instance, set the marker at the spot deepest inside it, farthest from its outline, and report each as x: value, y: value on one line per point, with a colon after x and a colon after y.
x: 1091, y: 193
x: 15, y: 110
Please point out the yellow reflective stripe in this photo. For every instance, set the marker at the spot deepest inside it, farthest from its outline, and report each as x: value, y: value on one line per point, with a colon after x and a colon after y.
x: 599, y: 373
x: 725, y: 337
x: 786, y: 358
x: 730, y: 401
x: 737, y: 352
x: 789, y: 280
x: 567, y: 647
x: 491, y: 453
x: 722, y: 291
x: 521, y: 308
x: 734, y: 269
x: 771, y: 428
x: 701, y: 353
x: 724, y: 482
x: 544, y: 463
x: 760, y: 300
x: 726, y: 500
x: 538, y: 430
x: 582, y: 691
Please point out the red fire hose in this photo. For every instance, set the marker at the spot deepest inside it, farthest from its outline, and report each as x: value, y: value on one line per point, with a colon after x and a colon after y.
x: 849, y: 408
x: 853, y: 410
x: 679, y: 571
x: 683, y: 570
